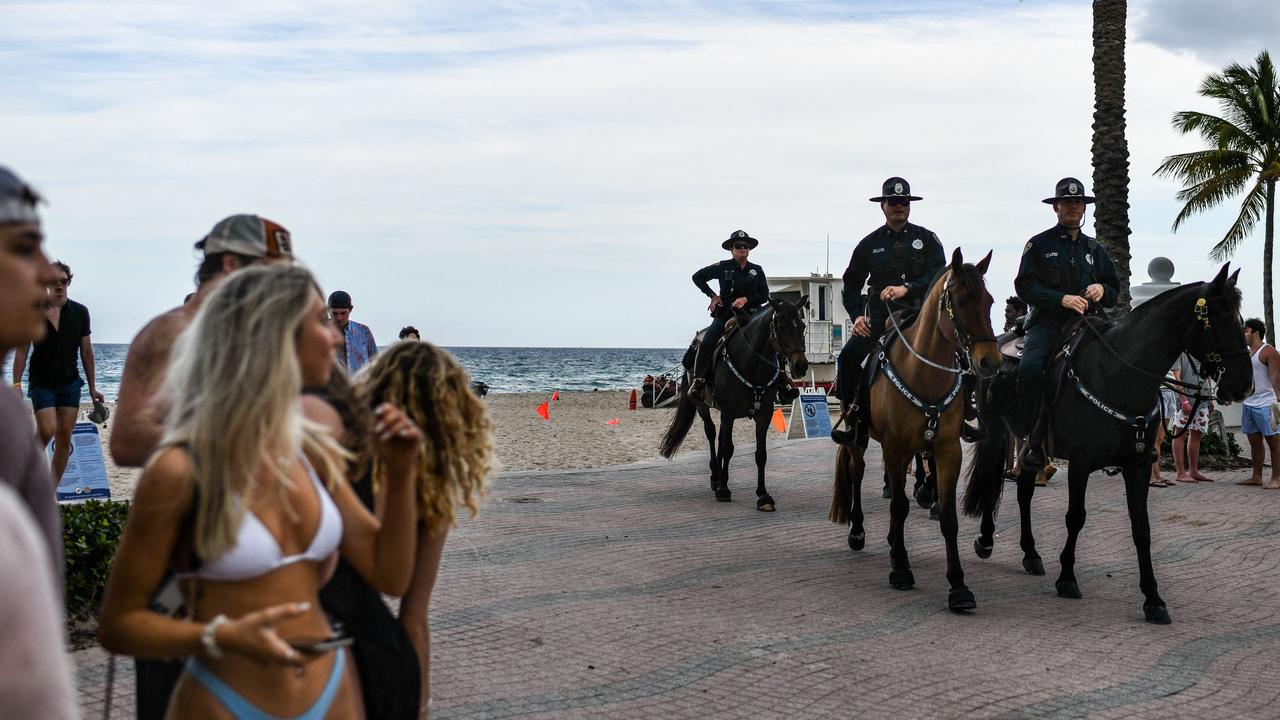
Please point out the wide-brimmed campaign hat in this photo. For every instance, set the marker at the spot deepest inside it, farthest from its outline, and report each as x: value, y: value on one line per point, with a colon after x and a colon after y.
x: 895, y: 188
x: 1068, y: 188
x: 739, y: 236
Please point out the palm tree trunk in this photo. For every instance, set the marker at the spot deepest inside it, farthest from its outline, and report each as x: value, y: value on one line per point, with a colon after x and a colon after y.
x: 1267, y: 246
x: 1110, y: 149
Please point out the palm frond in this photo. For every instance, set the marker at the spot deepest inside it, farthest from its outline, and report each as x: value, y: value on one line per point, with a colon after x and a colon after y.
x: 1255, y: 203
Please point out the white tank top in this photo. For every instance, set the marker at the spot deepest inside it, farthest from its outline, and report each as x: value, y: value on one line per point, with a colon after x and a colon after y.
x: 1263, y: 394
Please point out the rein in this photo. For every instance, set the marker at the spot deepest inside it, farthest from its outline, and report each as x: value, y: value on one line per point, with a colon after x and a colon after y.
x: 758, y: 391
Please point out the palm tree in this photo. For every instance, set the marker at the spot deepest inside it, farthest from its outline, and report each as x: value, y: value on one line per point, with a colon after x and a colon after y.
x: 1244, y: 156
x: 1110, y: 149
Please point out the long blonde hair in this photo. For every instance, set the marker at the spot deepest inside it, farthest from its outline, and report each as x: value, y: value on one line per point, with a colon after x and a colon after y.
x: 234, y: 381
x: 433, y: 389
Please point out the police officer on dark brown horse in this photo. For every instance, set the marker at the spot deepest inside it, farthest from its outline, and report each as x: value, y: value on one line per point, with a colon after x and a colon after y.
x: 743, y: 289
x: 1062, y: 272
x: 897, y: 262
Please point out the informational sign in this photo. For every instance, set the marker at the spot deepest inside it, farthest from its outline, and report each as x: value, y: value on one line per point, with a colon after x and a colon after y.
x: 86, y: 474
x: 812, y: 408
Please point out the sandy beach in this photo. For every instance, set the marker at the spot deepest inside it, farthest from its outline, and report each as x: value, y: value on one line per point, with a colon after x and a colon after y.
x: 577, y: 435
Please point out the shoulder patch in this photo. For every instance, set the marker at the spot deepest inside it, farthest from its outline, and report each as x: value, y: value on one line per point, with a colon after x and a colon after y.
x: 1027, y: 248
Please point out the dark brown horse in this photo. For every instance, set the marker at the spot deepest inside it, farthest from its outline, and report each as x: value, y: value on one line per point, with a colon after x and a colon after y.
x: 916, y: 407
x: 748, y: 375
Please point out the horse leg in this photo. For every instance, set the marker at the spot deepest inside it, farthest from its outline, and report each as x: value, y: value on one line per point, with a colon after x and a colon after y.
x: 1077, y: 479
x: 900, y: 576
x: 858, y: 467
x: 1135, y: 490
x: 764, y: 502
x: 1031, y: 561
x: 709, y: 427
x: 726, y: 454
x: 946, y: 471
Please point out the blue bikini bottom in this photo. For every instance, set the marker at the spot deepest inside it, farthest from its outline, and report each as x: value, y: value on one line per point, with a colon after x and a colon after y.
x: 242, y: 709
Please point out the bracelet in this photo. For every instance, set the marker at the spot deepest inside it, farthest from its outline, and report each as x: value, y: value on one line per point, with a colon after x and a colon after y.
x: 208, y: 636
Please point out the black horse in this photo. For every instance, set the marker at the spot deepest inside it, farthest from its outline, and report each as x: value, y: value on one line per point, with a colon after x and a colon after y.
x: 747, y: 375
x: 1106, y: 413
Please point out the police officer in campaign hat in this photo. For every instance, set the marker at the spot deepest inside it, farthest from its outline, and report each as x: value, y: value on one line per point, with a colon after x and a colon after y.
x: 897, y: 262
x: 1064, y: 273
x: 743, y: 288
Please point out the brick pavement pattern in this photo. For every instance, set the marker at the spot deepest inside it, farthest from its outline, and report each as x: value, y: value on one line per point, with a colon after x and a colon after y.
x: 629, y: 592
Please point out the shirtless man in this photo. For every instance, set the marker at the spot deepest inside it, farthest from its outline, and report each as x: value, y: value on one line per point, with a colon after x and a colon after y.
x: 235, y: 242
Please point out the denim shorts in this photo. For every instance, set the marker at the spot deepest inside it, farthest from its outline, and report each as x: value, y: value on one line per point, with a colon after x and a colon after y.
x: 1256, y: 420
x: 67, y: 395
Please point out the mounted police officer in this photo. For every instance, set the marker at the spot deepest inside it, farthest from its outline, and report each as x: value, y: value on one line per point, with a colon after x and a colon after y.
x: 743, y: 289
x: 1064, y: 273
x: 897, y: 262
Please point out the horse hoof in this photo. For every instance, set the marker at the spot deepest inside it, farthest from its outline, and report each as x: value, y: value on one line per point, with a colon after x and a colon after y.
x: 724, y: 495
x: 961, y: 600
x: 1158, y: 614
x: 1069, y: 589
x: 1033, y: 565
x: 857, y: 540
x: 982, y: 551
x: 902, y: 579
x: 935, y: 512
x: 765, y: 503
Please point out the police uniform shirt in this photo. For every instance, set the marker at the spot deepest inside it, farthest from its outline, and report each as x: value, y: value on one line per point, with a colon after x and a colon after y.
x: 735, y: 282
x: 1054, y: 265
x: 885, y: 258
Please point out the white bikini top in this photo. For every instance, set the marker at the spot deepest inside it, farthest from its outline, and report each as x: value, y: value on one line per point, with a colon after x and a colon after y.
x: 257, y: 552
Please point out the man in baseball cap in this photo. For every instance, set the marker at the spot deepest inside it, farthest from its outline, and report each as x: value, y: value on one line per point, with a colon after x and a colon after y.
x: 358, y: 346
x: 234, y: 242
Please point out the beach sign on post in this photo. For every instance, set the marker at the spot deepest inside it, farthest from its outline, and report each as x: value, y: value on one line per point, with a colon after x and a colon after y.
x: 86, y: 474
x: 812, y: 408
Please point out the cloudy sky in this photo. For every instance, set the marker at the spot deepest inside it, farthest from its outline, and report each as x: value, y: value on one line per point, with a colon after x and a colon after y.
x: 550, y: 173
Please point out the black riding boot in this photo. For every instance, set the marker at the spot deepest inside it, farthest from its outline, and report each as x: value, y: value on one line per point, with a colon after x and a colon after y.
x: 846, y: 430
x: 701, y: 364
x: 787, y: 390
x: 1032, y: 456
x: 971, y: 433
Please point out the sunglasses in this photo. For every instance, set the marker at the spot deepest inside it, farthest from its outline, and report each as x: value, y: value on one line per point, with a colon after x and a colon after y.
x: 741, y: 246
x: 898, y: 202
x: 61, y: 282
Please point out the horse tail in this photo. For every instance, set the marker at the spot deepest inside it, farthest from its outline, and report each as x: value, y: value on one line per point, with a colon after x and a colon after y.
x: 681, y: 421
x: 842, y: 488
x: 986, y: 470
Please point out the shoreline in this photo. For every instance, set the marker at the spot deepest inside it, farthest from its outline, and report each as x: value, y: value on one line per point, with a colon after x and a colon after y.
x: 577, y: 435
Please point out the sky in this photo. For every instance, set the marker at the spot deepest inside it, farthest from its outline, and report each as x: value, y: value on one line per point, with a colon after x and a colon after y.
x: 534, y: 173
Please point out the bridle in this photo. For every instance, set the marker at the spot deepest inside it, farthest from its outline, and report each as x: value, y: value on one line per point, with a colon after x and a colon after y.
x: 780, y: 353
x: 963, y: 338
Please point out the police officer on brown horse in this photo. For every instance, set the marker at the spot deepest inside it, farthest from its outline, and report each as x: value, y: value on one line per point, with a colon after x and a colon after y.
x: 897, y: 262
x: 743, y: 290
x: 1063, y: 274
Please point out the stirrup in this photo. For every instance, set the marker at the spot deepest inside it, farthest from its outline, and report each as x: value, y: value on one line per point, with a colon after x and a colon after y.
x: 970, y: 433
x: 1032, y: 457
x: 788, y: 393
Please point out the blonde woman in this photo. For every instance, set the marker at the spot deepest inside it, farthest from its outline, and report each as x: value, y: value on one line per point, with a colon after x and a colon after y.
x: 434, y: 391
x: 246, y: 497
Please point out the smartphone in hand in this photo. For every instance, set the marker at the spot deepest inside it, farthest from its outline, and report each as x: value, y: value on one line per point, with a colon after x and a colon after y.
x: 316, y: 645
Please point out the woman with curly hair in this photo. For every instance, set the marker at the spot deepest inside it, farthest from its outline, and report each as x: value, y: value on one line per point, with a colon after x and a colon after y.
x: 434, y: 391
x: 247, y: 500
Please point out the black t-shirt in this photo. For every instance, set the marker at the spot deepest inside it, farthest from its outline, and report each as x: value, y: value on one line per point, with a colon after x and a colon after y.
x: 53, y: 360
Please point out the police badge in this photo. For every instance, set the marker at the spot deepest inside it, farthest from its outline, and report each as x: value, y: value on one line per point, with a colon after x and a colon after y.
x: 918, y: 244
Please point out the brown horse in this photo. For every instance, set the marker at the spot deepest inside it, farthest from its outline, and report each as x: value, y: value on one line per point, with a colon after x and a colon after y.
x: 916, y: 408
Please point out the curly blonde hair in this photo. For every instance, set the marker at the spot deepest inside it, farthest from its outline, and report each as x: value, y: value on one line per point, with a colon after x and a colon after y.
x: 433, y: 389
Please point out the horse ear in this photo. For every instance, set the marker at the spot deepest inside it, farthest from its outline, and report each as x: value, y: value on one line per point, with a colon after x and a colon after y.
x: 1221, y: 278
x: 804, y: 301
x: 1231, y: 281
x: 957, y: 259
x: 984, y: 263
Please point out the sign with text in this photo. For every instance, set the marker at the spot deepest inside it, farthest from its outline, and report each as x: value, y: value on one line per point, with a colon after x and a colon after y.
x: 815, y: 413
x: 86, y: 474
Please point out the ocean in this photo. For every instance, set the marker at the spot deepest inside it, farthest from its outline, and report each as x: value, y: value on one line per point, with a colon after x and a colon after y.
x: 505, y: 369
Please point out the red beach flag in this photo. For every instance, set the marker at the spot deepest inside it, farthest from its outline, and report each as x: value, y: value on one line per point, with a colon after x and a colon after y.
x: 615, y: 421
x: 555, y: 394
x: 632, y: 404
x: 544, y: 411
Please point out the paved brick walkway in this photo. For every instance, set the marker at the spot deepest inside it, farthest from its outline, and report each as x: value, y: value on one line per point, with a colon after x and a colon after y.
x: 630, y: 593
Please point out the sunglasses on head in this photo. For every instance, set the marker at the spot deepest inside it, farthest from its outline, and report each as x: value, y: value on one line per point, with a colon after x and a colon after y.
x: 741, y: 246
x: 898, y: 202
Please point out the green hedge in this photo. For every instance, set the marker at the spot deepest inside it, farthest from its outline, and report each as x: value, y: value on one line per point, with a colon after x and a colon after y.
x: 90, y: 532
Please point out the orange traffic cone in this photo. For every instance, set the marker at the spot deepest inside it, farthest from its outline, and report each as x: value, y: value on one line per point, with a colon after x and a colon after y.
x: 632, y: 405
x: 615, y: 421
x: 555, y: 394
x: 779, y: 423
x: 544, y: 411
